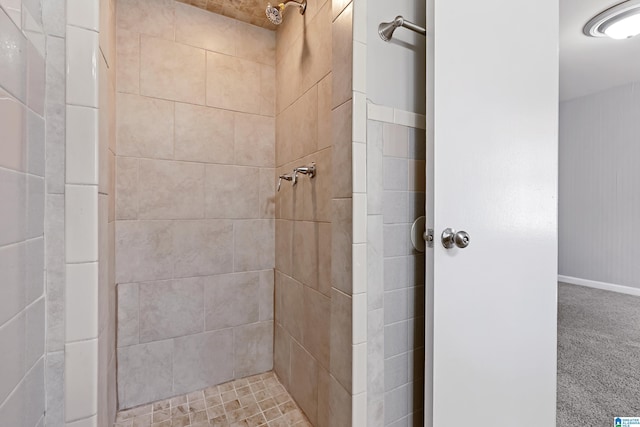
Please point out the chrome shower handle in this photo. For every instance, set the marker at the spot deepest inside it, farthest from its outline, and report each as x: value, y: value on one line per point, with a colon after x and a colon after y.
x: 286, y: 178
x: 305, y: 170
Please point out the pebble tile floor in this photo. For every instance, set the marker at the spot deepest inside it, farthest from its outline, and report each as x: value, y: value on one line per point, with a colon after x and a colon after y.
x: 259, y: 400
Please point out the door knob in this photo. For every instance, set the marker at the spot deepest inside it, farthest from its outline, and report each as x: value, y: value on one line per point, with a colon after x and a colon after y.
x: 451, y: 238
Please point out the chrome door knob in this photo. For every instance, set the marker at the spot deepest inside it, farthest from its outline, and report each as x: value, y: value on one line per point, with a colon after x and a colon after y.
x: 451, y: 238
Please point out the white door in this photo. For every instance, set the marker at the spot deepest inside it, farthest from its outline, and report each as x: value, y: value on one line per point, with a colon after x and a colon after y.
x: 494, y: 118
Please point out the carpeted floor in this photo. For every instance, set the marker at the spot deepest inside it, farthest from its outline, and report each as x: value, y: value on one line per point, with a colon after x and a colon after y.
x: 598, y: 356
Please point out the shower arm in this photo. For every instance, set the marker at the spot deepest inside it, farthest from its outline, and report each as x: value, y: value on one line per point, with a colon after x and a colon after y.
x: 386, y: 29
x: 301, y: 4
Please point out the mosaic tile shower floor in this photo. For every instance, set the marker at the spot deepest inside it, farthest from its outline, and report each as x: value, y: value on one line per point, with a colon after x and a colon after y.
x: 257, y: 401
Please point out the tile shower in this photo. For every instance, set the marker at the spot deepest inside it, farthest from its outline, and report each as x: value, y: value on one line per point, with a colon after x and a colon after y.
x: 161, y: 132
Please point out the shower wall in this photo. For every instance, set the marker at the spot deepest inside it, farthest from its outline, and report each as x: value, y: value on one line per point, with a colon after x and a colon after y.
x: 195, y: 199
x: 313, y: 341
x: 22, y: 191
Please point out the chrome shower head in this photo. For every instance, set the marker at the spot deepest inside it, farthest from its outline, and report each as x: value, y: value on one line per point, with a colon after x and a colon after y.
x: 275, y: 13
x: 386, y: 29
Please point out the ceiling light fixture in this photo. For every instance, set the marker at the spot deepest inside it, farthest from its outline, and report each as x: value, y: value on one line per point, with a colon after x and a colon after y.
x: 618, y: 22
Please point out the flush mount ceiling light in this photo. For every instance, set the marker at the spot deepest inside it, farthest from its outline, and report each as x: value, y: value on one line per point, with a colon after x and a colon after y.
x: 618, y: 22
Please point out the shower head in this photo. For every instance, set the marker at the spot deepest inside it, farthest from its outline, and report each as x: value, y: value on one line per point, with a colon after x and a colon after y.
x: 275, y: 13
x: 386, y: 29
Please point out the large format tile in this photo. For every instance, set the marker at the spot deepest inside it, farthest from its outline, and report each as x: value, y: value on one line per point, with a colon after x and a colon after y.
x: 128, y: 61
x: 173, y: 71
x: 204, y: 134
x: 317, y: 325
x: 342, y: 51
x: 210, y: 31
x: 201, y: 360
x: 304, y: 381
x: 154, y: 18
x: 231, y: 192
x: 252, y: 349
x: 255, y: 140
x: 341, y: 338
x: 144, y: 251
x: 230, y: 300
x: 170, y: 309
x: 128, y: 315
x: 170, y: 190
x: 341, y: 245
x: 145, y: 373
x: 202, y: 247
x: 13, y: 212
x: 254, y: 245
x: 13, y: 116
x: 232, y: 83
x: 144, y: 127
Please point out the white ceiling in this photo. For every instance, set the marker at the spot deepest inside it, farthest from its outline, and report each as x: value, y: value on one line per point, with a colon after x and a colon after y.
x: 589, y: 64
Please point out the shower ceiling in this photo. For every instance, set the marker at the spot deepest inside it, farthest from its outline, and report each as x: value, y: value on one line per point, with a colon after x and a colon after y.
x: 250, y: 11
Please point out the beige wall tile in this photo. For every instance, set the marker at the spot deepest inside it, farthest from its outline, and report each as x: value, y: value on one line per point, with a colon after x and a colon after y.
x: 232, y: 83
x: 281, y: 353
x: 128, y: 61
x: 325, y: 119
x: 144, y: 251
x: 289, y: 76
x: 289, y: 305
x: 171, y: 308
x: 323, y: 397
x: 126, y: 196
x: 267, y: 193
x: 128, y: 315
x: 144, y: 373
x: 201, y: 360
x: 232, y: 192
x: 338, y: 6
x: 170, y: 190
x: 342, y: 52
x: 297, y: 129
x: 341, y: 245
x: 229, y: 300
x: 204, y: 134
x: 313, y: 195
x: 144, y: 127
x: 342, y: 151
x: 255, y: 140
x: 252, y: 349
x: 155, y: 18
x: 202, y: 247
x: 305, y: 252
x: 324, y: 258
x: 317, y: 322
x: 266, y: 294
x: 317, y: 63
x: 257, y: 44
x: 254, y: 244
x: 339, y: 404
x: 170, y: 70
x: 200, y: 28
x: 340, y: 338
x: 284, y: 245
x: 304, y: 381
x: 268, y: 91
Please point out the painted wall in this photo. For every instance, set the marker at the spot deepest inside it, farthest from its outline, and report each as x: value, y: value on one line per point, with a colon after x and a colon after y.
x: 194, y: 199
x: 22, y: 191
x: 598, y: 203
x: 396, y: 69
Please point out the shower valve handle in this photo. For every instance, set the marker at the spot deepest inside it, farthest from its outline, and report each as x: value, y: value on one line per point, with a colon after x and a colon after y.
x: 286, y: 178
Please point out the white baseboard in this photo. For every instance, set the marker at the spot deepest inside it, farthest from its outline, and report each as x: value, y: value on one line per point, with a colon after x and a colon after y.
x: 599, y: 285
